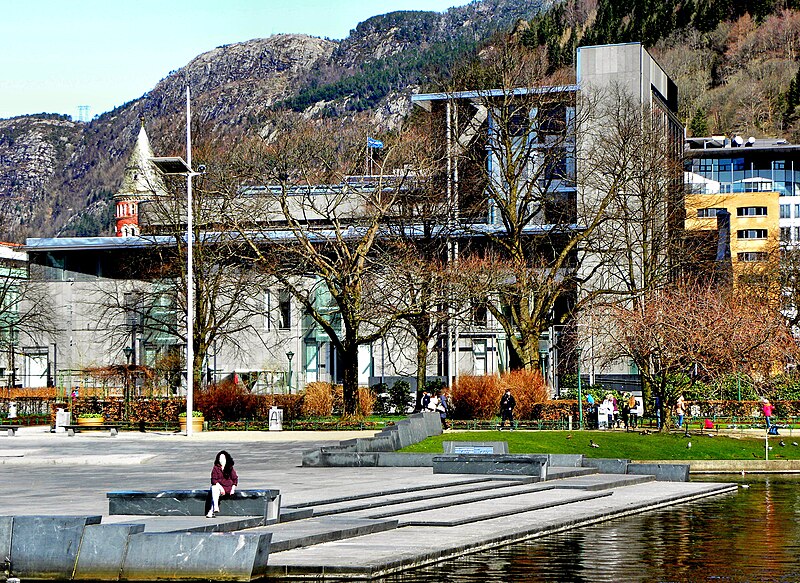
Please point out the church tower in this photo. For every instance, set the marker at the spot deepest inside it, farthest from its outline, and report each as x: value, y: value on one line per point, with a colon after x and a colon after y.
x: 140, y: 182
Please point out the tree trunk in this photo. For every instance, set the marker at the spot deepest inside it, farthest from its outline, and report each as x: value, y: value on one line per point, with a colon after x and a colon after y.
x: 349, y: 362
x: 422, y: 365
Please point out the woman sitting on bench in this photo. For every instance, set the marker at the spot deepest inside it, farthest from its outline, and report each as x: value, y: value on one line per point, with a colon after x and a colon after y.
x: 223, y: 480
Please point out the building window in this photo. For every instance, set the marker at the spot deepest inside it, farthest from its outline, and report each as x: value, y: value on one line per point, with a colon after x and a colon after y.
x: 738, y: 163
x: 797, y: 234
x: 779, y: 165
x: 267, y: 310
x: 284, y: 310
x: 751, y: 234
x: 797, y: 211
x: 786, y: 211
x: 750, y: 256
x: 751, y: 211
x: 708, y: 212
x: 786, y: 234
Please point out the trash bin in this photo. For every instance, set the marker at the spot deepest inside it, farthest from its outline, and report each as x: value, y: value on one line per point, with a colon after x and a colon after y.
x: 12, y: 410
x: 275, y: 419
x: 62, y: 418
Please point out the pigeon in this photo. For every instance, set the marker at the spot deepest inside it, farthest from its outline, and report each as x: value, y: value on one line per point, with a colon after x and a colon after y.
x: 689, y: 445
x: 770, y: 448
x: 781, y: 443
x: 592, y: 443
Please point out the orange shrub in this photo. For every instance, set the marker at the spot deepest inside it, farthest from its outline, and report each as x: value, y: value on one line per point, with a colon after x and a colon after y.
x: 475, y: 397
x: 528, y: 388
x: 478, y: 397
x: 366, y: 401
x: 318, y: 400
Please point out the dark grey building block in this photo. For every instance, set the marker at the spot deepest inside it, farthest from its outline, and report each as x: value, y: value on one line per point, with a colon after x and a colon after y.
x: 662, y: 472
x: 607, y: 465
x: 46, y: 547
x: 103, y: 550
x: 434, y: 422
x: 565, y: 460
x: 196, y: 556
x: 475, y: 447
x: 264, y: 503
x: 348, y: 459
x: 311, y: 458
x: 6, y: 524
x: 507, y: 465
x: 406, y: 460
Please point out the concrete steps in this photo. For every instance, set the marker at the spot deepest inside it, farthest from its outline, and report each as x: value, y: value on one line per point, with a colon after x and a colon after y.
x: 422, y: 494
x: 496, y: 507
x: 314, y: 531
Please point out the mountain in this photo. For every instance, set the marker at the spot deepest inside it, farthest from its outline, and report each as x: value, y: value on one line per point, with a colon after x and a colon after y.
x: 57, y: 176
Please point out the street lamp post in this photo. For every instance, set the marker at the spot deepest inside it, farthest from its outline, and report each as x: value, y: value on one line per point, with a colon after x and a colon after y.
x: 177, y: 165
x: 580, y: 392
x: 290, y: 356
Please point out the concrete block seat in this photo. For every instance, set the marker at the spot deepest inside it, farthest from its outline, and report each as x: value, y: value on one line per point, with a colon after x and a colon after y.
x: 497, y: 464
x: 11, y: 429
x: 265, y: 503
x: 113, y: 429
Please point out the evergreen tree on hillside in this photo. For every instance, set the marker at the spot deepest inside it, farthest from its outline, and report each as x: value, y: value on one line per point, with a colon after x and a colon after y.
x: 699, y: 124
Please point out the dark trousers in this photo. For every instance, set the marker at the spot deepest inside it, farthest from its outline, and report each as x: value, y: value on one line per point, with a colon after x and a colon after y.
x: 507, y: 415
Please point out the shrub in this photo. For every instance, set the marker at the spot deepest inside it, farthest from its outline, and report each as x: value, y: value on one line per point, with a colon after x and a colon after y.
x: 528, y: 388
x: 318, y: 400
x: 366, y: 402
x: 475, y: 397
x: 400, y: 396
x: 226, y: 401
x: 478, y: 397
x: 381, y: 393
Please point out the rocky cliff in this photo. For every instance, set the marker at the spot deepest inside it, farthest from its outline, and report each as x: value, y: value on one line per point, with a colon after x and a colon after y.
x: 57, y: 176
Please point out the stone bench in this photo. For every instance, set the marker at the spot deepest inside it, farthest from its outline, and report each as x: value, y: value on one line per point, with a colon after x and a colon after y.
x: 73, y: 429
x: 494, y: 464
x: 264, y: 503
x: 11, y: 429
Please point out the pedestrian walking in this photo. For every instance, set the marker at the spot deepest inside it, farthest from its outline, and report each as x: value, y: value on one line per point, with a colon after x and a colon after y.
x: 507, y: 404
x: 444, y: 403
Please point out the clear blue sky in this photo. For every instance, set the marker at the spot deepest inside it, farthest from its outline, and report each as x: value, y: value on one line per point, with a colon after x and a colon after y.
x: 58, y: 54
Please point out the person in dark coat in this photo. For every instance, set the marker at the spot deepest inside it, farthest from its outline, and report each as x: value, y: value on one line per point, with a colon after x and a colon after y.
x: 223, y: 481
x: 507, y: 404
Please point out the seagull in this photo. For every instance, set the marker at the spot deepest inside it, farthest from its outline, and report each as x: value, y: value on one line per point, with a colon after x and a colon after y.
x: 689, y: 445
x: 592, y: 443
x: 745, y: 485
x: 794, y: 443
x: 743, y: 472
x: 781, y: 443
x: 770, y: 448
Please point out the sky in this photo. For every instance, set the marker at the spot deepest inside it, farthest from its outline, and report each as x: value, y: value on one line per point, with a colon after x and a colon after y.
x: 57, y: 55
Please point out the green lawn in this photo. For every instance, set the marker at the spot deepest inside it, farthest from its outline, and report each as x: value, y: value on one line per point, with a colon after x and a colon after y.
x: 618, y: 444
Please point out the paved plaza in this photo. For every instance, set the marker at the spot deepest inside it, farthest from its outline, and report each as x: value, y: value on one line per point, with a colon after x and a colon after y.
x: 367, y: 521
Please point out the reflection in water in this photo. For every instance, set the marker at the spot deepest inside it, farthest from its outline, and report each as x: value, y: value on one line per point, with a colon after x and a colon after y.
x: 753, y: 535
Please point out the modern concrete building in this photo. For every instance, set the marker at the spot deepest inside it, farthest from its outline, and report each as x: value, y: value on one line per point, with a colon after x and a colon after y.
x: 84, y: 274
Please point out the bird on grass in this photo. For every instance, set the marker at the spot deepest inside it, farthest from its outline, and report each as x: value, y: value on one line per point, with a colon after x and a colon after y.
x: 569, y: 436
x: 689, y: 445
x: 745, y: 485
x: 781, y: 443
x: 754, y: 454
x: 794, y: 443
x: 592, y: 443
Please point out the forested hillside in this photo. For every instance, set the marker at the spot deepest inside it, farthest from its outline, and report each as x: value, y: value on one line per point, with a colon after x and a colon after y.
x: 735, y: 62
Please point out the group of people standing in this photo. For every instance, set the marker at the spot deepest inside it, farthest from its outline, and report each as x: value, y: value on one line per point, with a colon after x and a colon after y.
x: 613, y: 412
x: 438, y: 402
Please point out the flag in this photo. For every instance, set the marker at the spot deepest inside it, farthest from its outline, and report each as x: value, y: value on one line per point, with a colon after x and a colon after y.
x: 373, y: 143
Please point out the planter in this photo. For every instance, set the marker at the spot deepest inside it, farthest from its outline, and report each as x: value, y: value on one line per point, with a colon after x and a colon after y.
x: 197, y: 423
x: 91, y: 420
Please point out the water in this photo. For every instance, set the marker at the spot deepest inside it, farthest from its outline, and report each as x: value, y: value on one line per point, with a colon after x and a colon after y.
x: 751, y: 536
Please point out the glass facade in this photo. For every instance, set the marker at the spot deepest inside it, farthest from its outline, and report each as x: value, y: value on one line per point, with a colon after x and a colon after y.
x: 747, y: 172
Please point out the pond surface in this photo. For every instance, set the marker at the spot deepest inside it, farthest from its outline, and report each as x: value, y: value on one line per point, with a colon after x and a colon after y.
x: 753, y: 535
